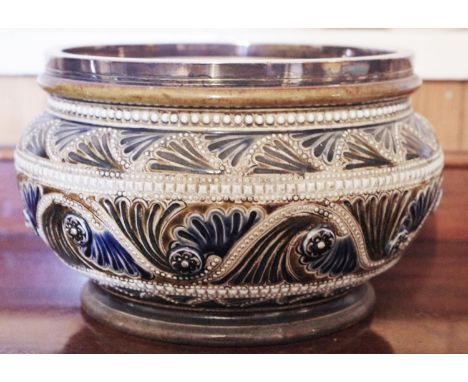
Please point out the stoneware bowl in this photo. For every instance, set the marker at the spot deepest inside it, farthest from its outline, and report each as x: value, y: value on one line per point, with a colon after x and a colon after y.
x: 228, y: 194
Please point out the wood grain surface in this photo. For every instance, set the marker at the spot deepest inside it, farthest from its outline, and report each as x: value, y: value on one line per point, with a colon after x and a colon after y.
x: 422, y: 303
x: 442, y: 103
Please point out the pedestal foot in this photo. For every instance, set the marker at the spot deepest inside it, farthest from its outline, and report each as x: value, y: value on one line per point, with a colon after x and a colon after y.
x: 241, y: 327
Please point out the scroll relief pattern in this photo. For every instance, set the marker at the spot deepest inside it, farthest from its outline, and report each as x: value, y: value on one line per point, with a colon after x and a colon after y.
x: 228, y: 244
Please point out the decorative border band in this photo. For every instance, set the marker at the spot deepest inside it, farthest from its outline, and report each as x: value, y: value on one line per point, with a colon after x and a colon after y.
x: 208, y: 292
x: 193, y: 188
x: 320, y: 117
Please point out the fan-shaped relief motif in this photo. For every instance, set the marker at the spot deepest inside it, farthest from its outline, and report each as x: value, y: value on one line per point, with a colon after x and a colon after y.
x: 300, y: 247
x: 324, y: 144
x: 219, y: 153
x: 268, y: 260
x: 208, y: 238
x: 34, y: 137
x: 382, y: 220
x: 186, y: 154
x: 34, y: 140
x: 82, y: 144
x: 426, y: 201
x: 231, y: 148
x: 362, y: 150
x: 31, y: 195
x: 97, y: 150
x: 423, y: 129
x: 144, y: 223
x: 80, y: 245
x: 414, y: 147
x: 281, y: 155
x: 388, y: 137
x: 136, y: 142
x: 63, y: 137
x: 418, y: 139
x: 67, y: 133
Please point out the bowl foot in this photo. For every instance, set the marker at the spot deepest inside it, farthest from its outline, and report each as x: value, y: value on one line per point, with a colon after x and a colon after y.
x: 226, y: 328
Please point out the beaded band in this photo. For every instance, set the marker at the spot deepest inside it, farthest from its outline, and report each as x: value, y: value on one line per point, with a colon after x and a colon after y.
x: 133, y: 116
x: 227, y: 187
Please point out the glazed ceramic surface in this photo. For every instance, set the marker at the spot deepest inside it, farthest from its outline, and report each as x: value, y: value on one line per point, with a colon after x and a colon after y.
x: 228, y: 176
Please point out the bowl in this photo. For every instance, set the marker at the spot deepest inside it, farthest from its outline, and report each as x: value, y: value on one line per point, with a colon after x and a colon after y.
x: 228, y: 194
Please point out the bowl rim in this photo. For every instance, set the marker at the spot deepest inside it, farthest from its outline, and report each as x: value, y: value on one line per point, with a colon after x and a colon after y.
x: 225, y: 75
x: 371, y: 53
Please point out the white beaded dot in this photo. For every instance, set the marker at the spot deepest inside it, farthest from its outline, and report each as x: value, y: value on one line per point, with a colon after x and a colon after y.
x: 248, y: 119
x: 206, y: 119
x: 310, y: 117
x: 270, y: 119
x: 226, y: 119
x: 184, y: 118
x: 165, y: 118
x: 216, y: 118
x: 195, y: 118
x: 154, y: 117
x: 135, y: 115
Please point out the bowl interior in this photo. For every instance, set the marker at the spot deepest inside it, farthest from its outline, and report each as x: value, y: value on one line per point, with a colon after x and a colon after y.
x: 247, y: 51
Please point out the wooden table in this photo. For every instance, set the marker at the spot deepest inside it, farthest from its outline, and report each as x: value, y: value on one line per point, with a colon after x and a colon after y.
x: 422, y: 303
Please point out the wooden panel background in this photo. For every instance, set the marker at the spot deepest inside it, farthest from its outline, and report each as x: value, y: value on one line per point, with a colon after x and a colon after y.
x: 21, y: 100
x: 442, y: 102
